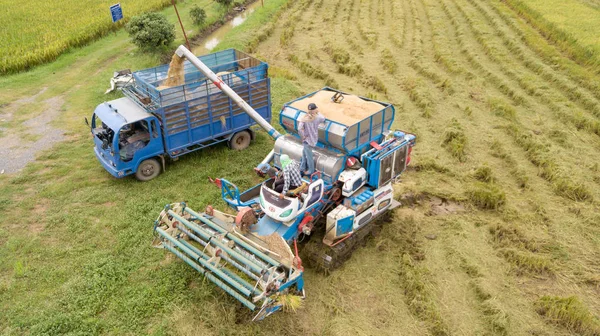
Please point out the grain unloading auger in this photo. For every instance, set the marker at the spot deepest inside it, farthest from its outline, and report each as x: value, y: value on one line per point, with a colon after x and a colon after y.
x: 249, y: 255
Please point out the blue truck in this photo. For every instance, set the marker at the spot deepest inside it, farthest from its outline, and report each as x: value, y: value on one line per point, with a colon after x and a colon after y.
x: 154, y: 122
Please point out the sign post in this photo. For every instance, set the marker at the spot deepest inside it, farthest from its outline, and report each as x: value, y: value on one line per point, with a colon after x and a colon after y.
x: 116, y: 12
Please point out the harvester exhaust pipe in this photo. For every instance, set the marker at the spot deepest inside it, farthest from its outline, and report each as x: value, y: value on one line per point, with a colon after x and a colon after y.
x: 182, y: 51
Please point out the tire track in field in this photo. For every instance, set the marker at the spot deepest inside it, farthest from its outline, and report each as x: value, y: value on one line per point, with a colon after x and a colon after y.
x: 441, y: 81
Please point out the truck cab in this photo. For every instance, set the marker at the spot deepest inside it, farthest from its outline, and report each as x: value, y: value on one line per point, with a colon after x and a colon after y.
x: 127, y: 139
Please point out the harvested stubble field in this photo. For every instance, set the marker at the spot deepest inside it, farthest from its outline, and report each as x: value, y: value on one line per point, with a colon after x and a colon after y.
x: 499, y: 233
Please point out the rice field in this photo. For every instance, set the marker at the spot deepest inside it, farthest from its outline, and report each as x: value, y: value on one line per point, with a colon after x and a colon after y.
x: 507, y: 126
x: 570, y: 24
x: 35, y: 32
x: 498, y: 233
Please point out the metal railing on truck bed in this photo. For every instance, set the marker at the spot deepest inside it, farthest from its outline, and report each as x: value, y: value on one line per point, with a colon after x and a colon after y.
x: 197, y: 111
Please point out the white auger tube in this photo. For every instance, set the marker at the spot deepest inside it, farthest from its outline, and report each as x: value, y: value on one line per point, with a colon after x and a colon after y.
x: 182, y: 51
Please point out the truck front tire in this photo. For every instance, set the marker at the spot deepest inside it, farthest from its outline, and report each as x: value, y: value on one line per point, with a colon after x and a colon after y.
x: 147, y: 170
x: 240, y: 140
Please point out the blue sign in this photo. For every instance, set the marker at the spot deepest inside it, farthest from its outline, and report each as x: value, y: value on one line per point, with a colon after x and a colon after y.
x: 116, y: 12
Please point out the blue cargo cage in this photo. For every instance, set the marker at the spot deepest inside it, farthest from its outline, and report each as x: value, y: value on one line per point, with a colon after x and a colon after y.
x: 182, y: 118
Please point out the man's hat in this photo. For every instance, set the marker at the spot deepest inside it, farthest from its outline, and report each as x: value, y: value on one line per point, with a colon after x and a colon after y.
x: 312, y: 106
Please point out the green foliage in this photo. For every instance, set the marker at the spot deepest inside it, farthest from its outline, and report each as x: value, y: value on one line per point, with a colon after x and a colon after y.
x: 224, y: 2
x: 198, y: 15
x: 36, y: 32
x: 151, y: 31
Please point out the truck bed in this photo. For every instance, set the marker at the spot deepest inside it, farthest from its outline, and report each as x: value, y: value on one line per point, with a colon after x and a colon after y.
x: 197, y: 113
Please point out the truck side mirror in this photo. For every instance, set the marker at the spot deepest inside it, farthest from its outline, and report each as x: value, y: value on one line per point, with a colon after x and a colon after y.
x: 86, y: 121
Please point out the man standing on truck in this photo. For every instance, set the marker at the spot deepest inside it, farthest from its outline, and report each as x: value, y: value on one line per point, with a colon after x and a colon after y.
x: 291, y: 176
x: 309, y: 133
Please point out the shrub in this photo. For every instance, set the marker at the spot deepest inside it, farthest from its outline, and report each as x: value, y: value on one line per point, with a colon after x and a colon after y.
x: 151, y: 31
x: 198, y: 15
x: 224, y: 2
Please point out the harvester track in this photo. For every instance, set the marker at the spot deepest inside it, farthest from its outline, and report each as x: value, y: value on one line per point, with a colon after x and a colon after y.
x: 326, y: 259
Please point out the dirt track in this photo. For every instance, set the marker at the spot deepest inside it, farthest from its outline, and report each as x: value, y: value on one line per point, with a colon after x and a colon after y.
x: 17, y: 148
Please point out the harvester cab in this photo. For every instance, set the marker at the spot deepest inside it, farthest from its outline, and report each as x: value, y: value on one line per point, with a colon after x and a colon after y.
x: 253, y: 255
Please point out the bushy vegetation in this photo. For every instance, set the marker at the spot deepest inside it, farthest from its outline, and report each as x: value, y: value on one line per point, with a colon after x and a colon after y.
x: 224, y: 2
x: 198, y: 15
x: 151, y: 31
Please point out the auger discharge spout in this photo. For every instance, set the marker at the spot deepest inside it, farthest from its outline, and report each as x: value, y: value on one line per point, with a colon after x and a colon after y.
x: 182, y: 51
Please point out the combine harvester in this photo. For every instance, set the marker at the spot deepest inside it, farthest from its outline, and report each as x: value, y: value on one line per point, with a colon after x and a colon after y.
x: 253, y: 255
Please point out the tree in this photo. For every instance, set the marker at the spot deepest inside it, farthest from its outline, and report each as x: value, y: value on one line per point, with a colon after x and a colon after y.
x: 151, y: 31
x: 224, y: 2
x: 198, y: 15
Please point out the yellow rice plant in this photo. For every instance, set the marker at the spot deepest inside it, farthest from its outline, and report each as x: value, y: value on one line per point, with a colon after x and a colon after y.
x: 36, y: 31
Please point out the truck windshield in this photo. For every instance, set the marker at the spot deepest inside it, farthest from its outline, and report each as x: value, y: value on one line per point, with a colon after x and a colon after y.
x: 133, y: 137
x: 101, y: 131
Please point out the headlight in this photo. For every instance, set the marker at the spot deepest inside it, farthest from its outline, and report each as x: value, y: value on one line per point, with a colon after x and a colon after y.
x: 262, y: 203
x: 286, y: 214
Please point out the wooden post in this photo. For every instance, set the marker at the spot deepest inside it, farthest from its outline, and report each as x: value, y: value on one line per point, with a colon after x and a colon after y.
x: 181, y: 24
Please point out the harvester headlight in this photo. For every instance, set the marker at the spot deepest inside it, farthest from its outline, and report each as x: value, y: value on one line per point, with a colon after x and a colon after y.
x: 262, y: 203
x: 286, y: 213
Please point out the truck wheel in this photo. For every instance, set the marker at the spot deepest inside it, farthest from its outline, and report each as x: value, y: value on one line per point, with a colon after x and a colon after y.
x: 240, y: 140
x: 147, y: 170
